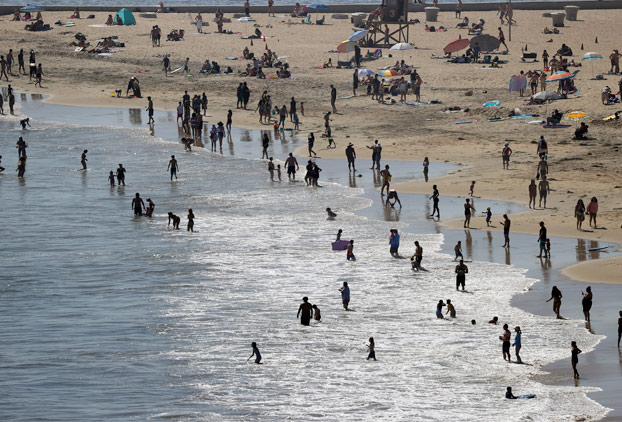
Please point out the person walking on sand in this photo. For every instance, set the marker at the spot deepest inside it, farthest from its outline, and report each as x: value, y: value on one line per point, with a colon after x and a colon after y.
x: 592, y: 210
x: 579, y: 212
x: 386, y: 180
x: 556, y: 297
x: 292, y: 167
x: 434, y: 198
x: 305, y: 311
x: 333, y: 97
x: 517, y: 344
x: 350, y: 251
x: 310, y: 143
x: 502, y: 39
x: 506, y: 230
x: 372, y: 349
x: 574, y: 360
x: 505, y: 155
x: 138, y: 205
x: 461, y: 271
x: 255, y: 353
x: 468, y: 207
x: 542, y: 239
x: 345, y: 295
x: 173, y: 166
x: 586, y: 303
x: 458, y: 251
x: 351, y: 156
x: 505, y: 347
x: 543, y: 187
x: 533, y: 191
x: 83, y: 160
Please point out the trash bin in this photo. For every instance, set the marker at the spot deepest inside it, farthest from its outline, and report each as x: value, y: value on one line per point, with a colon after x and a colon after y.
x: 431, y: 14
x: 358, y: 19
x: 558, y: 18
x: 571, y: 12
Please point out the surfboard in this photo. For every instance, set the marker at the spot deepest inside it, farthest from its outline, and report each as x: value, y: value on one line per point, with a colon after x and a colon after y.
x: 177, y: 69
x: 598, y: 249
x: 527, y: 396
x: 340, y: 245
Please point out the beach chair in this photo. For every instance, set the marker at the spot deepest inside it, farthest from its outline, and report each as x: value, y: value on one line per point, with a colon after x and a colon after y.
x: 341, y: 64
x: 533, y: 57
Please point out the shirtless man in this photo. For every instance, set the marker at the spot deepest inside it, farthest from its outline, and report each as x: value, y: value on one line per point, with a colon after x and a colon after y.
x: 461, y: 270
x: 533, y: 190
x: 543, y: 168
x: 417, y: 257
x: 292, y: 166
x: 138, y: 204
x: 375, y: 154
x: 175, y: 219
x: 506, y: 230
x: 351, y: 156
x: 173, y: 166
x: 307, y: 311
x: 543, y: 186
x: 386, y: 180
x: 615, y: 62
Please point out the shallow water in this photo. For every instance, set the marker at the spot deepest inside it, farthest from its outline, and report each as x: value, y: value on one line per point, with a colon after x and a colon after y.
x: 108, y: 316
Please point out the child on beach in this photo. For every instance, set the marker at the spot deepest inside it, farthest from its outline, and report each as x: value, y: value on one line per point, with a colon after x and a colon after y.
x: 548, y: 248
x: 472, y: 187
x: 350, y: 253
x: 458, y: 250
x: 316, y: 313
x: 372, y: 349
x: 439, y: 309
x: 488, y: 216
x: 296, y: 122
x: 255, y: 353
x: 110, y: 177
x: 278, y: 171
x: 450, y: 309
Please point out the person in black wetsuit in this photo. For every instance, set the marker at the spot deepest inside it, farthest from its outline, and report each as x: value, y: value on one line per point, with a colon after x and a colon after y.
x: 306, y: 310
x: 586, y: 302
x: 138, y: 205
x: 509, y: 395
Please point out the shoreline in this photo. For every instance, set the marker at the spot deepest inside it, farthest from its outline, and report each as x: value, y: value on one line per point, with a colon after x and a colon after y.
x: 447, y: 243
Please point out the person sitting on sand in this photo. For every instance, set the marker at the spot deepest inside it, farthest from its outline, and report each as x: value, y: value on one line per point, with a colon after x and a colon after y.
x: 555, y: 118
x: 464, y: 23
x: 16, y: 16
x: 109, y: 21
x: 581, y: 131
x: 76, y: 14
x: 564, y: 51
x: 328, y: 63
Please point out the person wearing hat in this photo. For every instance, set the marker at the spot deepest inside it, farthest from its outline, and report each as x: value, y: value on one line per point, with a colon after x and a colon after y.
x: 615, y: 62
x: 488, y: 216
x: 351, y: 156
x: 505, y: 154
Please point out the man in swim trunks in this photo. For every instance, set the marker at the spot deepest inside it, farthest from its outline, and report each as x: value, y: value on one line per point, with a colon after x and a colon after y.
x: 417, y: 257
x: 543, y: 186
x: 505, y: 338
x: 506, y: 230
x: 351, y: 156
x: 386, y: 180
x: 149, y: 109
x: 542, y: 240
x: 307, y: 311
x: 292, y: 166
x: 138, y: 205
x: 461, y: 270
x: 375, y: 154
x: 173, y: 166
x: 505, y: 154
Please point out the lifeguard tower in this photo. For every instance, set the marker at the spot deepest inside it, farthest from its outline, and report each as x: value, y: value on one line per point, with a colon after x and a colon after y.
x: 388, y: 24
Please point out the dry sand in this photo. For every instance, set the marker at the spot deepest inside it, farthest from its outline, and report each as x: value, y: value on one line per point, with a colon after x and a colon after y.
x: 578, y: 169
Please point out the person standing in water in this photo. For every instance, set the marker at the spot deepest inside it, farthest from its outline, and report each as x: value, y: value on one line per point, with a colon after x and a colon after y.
x: 426, y: 168
x: 386, y: 180
x: 351, y: 156
x: 2, y: 168
x: 439, y: 309
x: 190, y: 227
x: 350, y: 251
x: 505, y: 338
x: 21, y: 146
x: 138, y: 204
x: 316, y: 313
x: 372, y: 349
x: 394, y: 242
x: 121, y: 175
x: 506, y: 230
x: 586, y: 303
x: 83, y: 160
x: 542, y: 240
x: 556, y: 296
x: 458, y: 251
x: 174, y: 219
x: 467, y: 213
x: 461, y: 271
x: 517, y: 344
x: 173, y: 166
x: 450, y: 309
x: 149, y: 109
x: 255, y: 353
x: 574, y: 350
x: 345, y: 295
x: 305, y: 311
x: 533, y: 191
x: 619, y: 327
x: 434, y: 198
x: 150, y: 207
x: 417, y: 257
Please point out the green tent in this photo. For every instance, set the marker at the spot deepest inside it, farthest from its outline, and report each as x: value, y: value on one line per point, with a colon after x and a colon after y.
x: 126, y: 17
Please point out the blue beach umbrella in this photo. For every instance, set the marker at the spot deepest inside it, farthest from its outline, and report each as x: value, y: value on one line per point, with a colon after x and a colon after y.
x: 358, y: 35
x: 31, y: 8
x: 318, y: 6
x: 366, y: 72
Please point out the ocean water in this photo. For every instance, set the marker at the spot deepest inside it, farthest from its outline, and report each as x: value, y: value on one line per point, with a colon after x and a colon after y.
x: 110, y: 317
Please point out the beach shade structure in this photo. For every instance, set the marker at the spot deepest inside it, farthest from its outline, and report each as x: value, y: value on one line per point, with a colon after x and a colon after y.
x: 358, y: 35
x: 560, y: 76
x: 402, y: 46
x: 318, y: 6
x: 485, y: 42
x: 456, y: 45
x: 592, y: 56
x: 246, y: 20
x: 366, y: 72
x: 387, y: 73
x: 576, y: 116
x: 547, y: 96
x: 126, y: 17
x: 346, y: 46
x: 31, y: 8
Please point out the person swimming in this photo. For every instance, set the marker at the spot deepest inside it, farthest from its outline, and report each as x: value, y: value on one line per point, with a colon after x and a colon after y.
x: 331, y: 214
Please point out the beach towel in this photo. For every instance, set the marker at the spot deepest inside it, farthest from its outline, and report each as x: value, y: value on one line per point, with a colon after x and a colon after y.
x: 522, y: 116
x: 492, y: 103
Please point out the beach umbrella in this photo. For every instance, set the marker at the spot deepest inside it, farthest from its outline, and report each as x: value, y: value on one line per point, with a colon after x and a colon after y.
x: 560, y: 76
x: 456, y: 45
x: 387, y: 73
x: 547, y: 96
x: 246, y: 20
x: 358, y: 35
x: 485, y: 42
x: 592, y: 56
x: 365, y: 72
x: 576, y: 115
x: 31, y: 8
x: 346, y: 46
x: 402, y: 46
x: 318, y: 6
